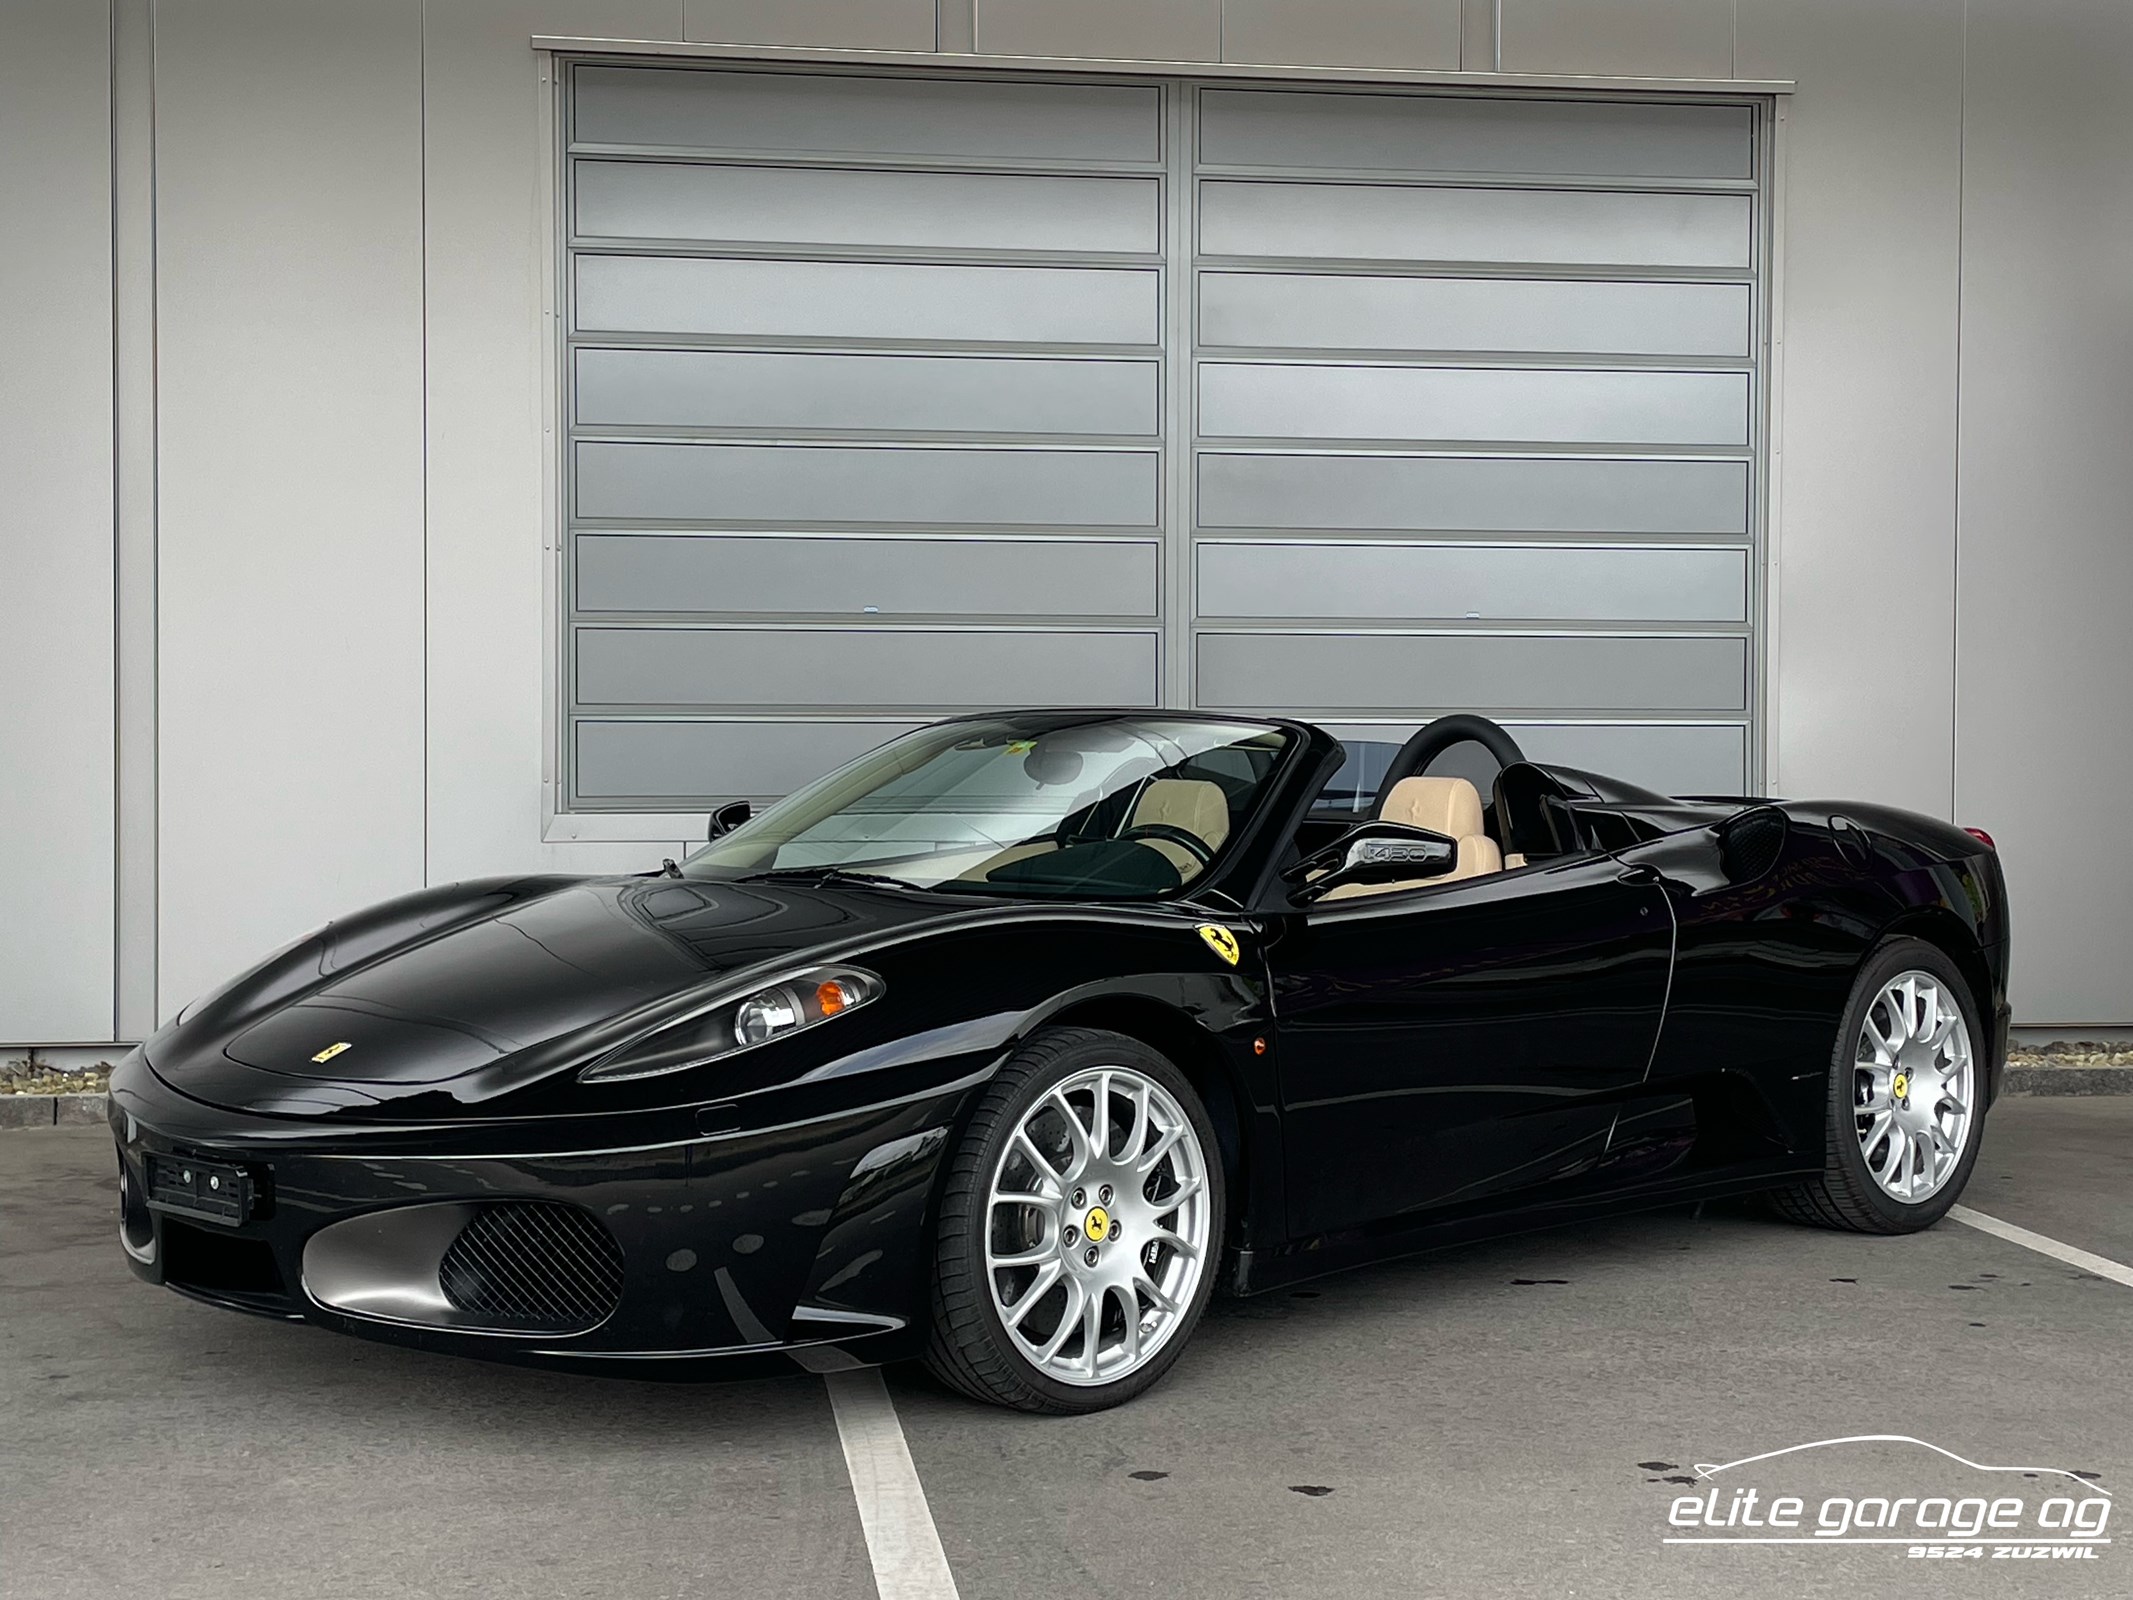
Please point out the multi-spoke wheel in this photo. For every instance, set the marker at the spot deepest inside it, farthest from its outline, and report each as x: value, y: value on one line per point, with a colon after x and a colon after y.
x: 1913, y: 1086
x: 1905, y: 1098
x: 1079, y: 1227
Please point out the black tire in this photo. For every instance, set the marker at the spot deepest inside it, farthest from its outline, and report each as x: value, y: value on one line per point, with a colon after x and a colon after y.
x: 969, y: 1348
x: 1846, y: 1195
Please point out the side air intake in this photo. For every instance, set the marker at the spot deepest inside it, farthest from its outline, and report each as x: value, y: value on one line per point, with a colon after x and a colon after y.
x: 1749, y: 844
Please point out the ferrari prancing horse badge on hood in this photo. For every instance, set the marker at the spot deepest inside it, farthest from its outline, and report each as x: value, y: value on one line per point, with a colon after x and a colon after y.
x: 1220, y: 940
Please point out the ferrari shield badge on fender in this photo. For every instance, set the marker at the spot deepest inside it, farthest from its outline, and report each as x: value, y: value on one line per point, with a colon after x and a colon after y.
x: 1220, y: 940
x: 330, y: 1052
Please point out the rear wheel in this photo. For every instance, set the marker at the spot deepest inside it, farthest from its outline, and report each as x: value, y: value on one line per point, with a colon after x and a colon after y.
x: 1080, y: 1224
x: 1905, y: 1112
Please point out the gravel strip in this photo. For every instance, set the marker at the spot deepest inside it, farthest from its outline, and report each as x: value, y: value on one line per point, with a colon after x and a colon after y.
x: 2071, y: 1053
x: 34, y: 1077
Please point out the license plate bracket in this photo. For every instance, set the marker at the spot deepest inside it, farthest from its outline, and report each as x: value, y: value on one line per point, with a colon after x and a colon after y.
x: 212, y: 1191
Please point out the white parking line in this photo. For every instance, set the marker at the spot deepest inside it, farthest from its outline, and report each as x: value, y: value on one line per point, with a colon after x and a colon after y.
x: 2102, y: 1266
x: 902, y: 1542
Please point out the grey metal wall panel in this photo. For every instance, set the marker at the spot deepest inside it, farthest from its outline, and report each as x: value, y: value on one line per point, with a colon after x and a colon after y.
x: 289, y: 374
x: 759, y: 483
x: 491, y: 747
x: 2043, y: 653
x: 132, y: 317
x: 849, y: 24
x: 1354, y: 311
x: 1343, y: 33
x: 670, y: 762
x: 1682, y: 759
x: 981, y: 120
x: 289, y: 342
x: 889, y: 667
x: 1363, y: 221
x: 57, y: 839
x: 1296, y: 400
x: 867, y: 300
x: 862, y: 208
x: 1672, y: 758
x: 1484, y: 280
x: 971, y: 577
x: 1533, y: 400
x: 1482, y: 494
x: 1487, y: 582
x: 1586, y: 138
x: 1472, y: 671
x: 854, y: 421
x: 1116, y: 30
x: 1876, y: 339
x: 1645, y: 38
x: 759, y: 389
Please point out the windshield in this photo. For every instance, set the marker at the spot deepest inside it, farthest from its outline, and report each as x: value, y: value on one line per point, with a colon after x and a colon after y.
x: 1047, y: 805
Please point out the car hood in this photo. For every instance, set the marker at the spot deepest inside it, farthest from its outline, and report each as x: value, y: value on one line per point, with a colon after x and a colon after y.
x: 494, y: 976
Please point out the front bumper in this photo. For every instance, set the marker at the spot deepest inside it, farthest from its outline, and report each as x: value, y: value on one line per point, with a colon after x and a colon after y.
x: 777, y: 1239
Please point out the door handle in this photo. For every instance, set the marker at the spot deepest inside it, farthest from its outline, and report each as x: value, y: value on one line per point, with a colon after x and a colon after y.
x: 1637, y: 872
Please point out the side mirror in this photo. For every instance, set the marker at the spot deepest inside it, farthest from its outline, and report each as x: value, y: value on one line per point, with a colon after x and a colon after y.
x: 1377, y: 852
x: 728, y: 817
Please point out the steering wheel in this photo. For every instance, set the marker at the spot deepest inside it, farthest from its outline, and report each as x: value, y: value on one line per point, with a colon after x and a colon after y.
x: 1191, y: 843
x: 1432, y: 741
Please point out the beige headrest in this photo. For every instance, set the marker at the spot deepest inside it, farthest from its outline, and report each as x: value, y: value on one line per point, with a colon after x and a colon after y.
x: 1194, y: 804
x: 1479, y: 855
x: 1450, y: 806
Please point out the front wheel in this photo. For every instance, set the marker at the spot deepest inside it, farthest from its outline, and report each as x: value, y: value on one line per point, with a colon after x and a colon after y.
x: 1079, y: 1229
x: 1905, y: 1098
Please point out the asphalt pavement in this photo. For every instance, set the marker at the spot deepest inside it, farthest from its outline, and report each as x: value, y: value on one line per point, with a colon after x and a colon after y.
x: 1516, y: 1418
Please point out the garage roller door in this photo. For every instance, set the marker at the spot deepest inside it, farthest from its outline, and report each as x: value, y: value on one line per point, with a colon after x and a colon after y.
x: 889, y: 397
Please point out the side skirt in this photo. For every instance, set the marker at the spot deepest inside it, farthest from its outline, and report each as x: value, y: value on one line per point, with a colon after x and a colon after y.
x: 1257, y: 1271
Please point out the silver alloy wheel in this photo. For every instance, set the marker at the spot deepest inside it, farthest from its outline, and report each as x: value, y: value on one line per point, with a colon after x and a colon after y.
x: 1097, y: 1226
x: 1913, y: 1086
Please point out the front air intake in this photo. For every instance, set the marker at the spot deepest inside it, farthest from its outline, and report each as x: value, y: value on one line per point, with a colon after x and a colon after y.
x: 533, y: 1265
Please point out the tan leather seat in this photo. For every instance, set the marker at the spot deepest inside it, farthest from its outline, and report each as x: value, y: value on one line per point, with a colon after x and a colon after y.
x: 1007, y: 858
x: 1450, y: 806
x: 1193, y: 804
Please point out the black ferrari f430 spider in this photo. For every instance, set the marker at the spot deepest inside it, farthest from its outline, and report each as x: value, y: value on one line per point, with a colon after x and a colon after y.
x: 1012, y: 1041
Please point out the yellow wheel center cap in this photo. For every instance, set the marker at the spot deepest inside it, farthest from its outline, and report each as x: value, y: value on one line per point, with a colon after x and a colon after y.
x: 1902, y: 1085
x: 1097, y: 1225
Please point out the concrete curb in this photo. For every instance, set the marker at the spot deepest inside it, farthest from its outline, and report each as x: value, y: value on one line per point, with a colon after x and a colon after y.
x: 50, y: 1110
x: 2068, y: 1080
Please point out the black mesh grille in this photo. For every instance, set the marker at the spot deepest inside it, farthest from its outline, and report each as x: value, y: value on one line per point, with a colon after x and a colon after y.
x: 533, y: 1264
x: 1749, y: 844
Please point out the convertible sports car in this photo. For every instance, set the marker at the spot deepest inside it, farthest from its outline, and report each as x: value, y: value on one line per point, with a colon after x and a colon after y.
x: 1010, y: 1042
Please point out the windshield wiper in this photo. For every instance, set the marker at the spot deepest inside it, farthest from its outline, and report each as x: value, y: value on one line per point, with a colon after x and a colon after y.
x: 825, y: 875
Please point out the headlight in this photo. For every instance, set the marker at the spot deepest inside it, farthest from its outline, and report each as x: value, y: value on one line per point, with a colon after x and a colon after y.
x: 762, y: 1015
x: 799, y: 1001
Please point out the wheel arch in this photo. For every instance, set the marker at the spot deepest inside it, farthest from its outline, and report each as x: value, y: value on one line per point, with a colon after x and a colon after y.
x: 1947, y: 933
x: 1194, y: 1051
